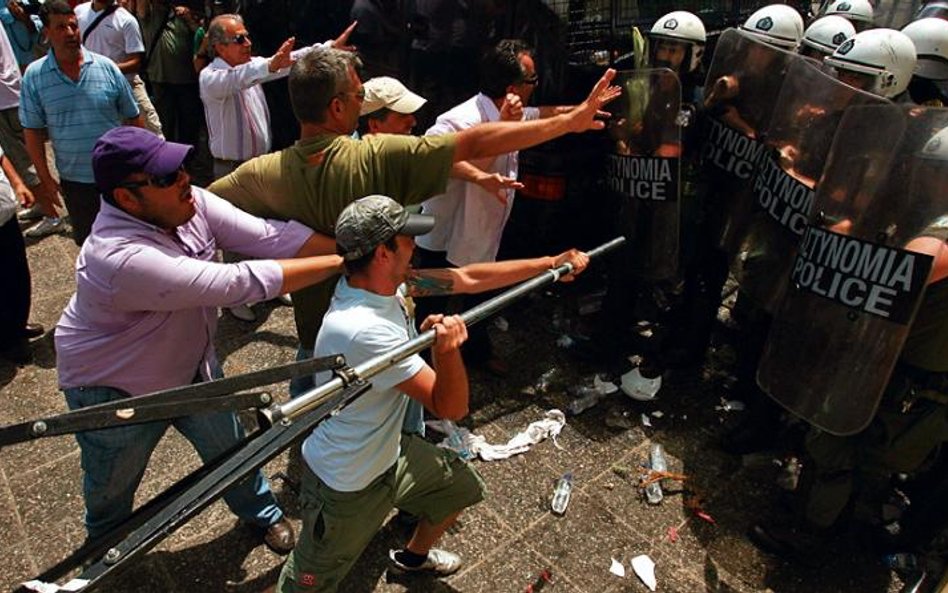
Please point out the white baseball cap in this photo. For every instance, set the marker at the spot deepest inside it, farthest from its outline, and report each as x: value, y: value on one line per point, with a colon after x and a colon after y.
x: 385, y: 91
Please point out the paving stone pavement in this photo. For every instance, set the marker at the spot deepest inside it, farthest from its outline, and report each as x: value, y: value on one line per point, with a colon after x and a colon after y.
x: 506, y: 541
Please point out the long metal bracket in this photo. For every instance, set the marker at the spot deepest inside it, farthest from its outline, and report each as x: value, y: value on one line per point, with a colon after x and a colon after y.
x: 211, y: 396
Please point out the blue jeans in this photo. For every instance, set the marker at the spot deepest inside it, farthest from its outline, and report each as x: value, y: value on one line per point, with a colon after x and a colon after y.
x: 303, y: 383
x: 114, y: 460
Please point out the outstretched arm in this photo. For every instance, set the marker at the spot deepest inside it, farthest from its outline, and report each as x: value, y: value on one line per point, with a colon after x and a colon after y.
x: 474, y: 278
x: 496, y: 138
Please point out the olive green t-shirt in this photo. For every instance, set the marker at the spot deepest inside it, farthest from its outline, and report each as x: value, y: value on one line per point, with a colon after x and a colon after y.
x: 316, y: 178
x: 171, y: 61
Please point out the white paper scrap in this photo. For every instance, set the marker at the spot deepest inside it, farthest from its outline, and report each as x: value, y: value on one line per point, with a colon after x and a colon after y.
x: 644, y: 568
x: 617, y: 568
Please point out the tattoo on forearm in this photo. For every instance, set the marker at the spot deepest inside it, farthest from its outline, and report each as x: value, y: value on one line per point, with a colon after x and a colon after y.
x: 423, y: 283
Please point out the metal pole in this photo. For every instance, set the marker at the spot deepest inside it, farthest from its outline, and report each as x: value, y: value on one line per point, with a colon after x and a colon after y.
x: 315, y: 397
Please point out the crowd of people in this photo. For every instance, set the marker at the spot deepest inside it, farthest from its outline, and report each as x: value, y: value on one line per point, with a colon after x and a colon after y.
x: 135, y: 99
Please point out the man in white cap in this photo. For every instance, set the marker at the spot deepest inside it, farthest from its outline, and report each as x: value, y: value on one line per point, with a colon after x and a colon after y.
x: 389, y: 107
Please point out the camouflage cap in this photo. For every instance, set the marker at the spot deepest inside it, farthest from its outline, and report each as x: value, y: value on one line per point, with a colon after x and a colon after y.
x: 370, y: 221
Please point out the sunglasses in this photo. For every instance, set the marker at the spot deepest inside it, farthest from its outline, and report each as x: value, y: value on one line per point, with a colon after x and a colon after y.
x: 238, y: 39
x: 159, y: 181
x: 532, y: 80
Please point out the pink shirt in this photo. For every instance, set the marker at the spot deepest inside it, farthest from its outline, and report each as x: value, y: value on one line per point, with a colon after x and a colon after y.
x: 144, y: 314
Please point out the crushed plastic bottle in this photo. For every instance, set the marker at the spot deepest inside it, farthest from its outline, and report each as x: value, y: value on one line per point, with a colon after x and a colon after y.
x: 561, y: 494
x: 656, y: 461
x: 547, y: 380
x: 589, y: 393
x: 901, y: 561
x: 456, y: 441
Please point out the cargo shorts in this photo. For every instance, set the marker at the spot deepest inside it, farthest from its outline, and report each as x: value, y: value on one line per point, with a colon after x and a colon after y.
x: 426, y: 481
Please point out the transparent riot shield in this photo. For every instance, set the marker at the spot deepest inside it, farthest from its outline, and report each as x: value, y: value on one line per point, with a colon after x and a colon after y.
x: 743, y: 83
x: 805, y: 117
x: 862, y: 266
x: 643, y: 168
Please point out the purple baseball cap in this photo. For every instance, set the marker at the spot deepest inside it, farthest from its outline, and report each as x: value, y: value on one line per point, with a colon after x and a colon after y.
x: 125, y: 150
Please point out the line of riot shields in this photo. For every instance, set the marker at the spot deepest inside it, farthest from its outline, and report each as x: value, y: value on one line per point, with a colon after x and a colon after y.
x: 830, y: 204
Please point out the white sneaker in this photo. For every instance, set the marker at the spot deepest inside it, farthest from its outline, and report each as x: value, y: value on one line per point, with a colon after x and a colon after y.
x: 439, y: 563
x: 243, y: 313
x: 285, y: 299
x: 34, y: 212
x: 47, y: 226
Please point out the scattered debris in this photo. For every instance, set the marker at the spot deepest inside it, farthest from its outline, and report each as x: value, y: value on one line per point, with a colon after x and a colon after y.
x: 730, y: 405
x: 644, y: 568
x: 588, y: 393
x: 544, y: 578
x: 673, y: 534
x: 501, y: 324
x: 617, y: 568
x: 658, y: 414
x: 617, y: 417
x: 789, y: 476
x: 460, y: 439
x: 561, y: 494
x: 547, y: 380
x: 565, y: 341
x: 645, y: 421
x: 638, y: 387
x: 656, y: 461
x: 694, y: 503
x: 622, y: 471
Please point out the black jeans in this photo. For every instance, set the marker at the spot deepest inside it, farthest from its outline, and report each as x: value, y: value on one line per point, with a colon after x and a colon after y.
x: 82, y: 202
x: 15, y: 298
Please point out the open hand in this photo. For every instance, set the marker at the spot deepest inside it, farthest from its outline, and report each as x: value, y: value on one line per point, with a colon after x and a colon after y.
x: 282, y: 58
x: 583, y: 116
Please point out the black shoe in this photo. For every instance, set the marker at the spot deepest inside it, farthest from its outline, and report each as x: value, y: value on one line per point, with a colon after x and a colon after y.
x: 33, y: 330
x: 19, y: 352
x: 794, y: 543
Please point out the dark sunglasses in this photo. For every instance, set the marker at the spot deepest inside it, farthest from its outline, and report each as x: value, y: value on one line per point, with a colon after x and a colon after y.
x: 159, y: 181
x: 532, y: 80
x: 238, y: 39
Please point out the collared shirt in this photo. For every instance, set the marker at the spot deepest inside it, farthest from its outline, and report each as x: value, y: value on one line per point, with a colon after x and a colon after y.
x: 117, y: 37
x: 352, y: 448
x: 238, y: 120
x: 75, y: 113
x: 469, y: 220
x: 144, y: 313
x: 316, y: 178
x: 21, y: 38
x: 10, y: 78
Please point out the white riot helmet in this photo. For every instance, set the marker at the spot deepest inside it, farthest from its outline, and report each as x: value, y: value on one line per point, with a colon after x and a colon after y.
x: 859, y: 11
x: 885, y: 54
x: 937, y: 146
x: 930, y: 36
x: 827, y: 33
x: 776, y: 24
x: 684, y: 27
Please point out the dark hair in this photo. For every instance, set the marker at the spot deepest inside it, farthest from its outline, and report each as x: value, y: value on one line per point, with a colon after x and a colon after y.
x: 379, y: 114
x: 500, y: 67
x: 358, y: 265
x: 316, y: 78
x: 54, y: 7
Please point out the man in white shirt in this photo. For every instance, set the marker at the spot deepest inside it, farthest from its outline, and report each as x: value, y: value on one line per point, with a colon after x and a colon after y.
x: 470, y: 219
x: 238, y: 120
x: 110, y: 30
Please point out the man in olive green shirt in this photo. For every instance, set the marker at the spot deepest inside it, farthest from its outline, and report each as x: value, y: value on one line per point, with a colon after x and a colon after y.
x: 315, y: 179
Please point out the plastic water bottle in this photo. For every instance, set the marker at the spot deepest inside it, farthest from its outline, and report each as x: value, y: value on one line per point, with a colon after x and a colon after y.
x: 564, y: 487
x: 901, y: 561
x: 588, y: 397
x: 456, y: 441
x: 656, y: 460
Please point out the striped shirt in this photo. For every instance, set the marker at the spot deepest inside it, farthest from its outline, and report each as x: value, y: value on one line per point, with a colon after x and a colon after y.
x: 74, y: 113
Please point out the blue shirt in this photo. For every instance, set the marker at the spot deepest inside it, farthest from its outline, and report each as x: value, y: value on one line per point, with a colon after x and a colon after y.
x: 74, y: 113
x: 21, y: 39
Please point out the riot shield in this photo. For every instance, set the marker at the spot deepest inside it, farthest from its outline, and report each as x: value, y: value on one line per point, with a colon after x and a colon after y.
x: 805, y: 118
x: 643, y: 168
x: 862, y: 267
x: 743, y: 83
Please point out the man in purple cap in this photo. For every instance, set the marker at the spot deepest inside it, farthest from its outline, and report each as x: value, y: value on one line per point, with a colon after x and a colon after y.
x: 144, y: 315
